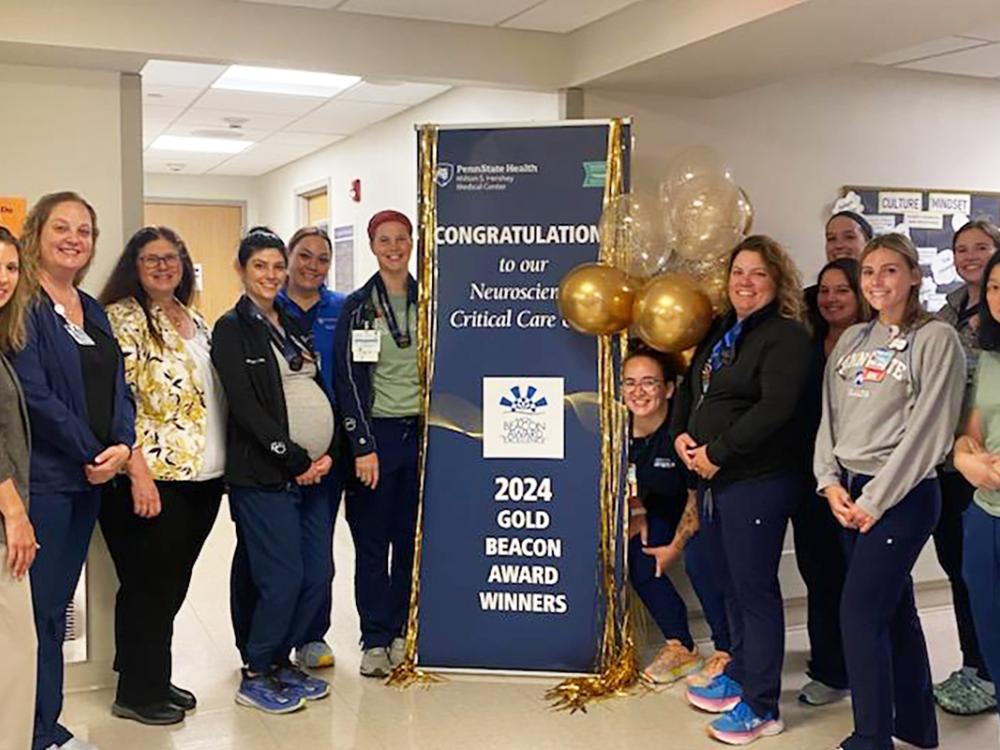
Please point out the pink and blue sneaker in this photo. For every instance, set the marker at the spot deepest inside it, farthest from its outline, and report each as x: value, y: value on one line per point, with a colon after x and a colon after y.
x: 741, y: 726
x: 718, y: 696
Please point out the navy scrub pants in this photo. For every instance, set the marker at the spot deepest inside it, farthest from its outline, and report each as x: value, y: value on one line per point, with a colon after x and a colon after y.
x: 745, y: 525
x: 330, y: 490
x: 660, y: 596
x: 819, y: 555
x: 981, y: 565
x: 281, y: 570
x: 956, y: 495
x: 64, y: 523
x: 891, y: 693
x: 381, y: 520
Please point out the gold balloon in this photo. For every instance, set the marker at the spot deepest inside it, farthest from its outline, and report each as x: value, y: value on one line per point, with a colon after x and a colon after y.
x: 597, y: 299
x: 712, y: 276
x: 672, y: 313
x: 747, y: 208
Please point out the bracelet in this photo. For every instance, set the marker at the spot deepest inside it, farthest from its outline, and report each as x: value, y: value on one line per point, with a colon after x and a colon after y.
x: 634, y: 512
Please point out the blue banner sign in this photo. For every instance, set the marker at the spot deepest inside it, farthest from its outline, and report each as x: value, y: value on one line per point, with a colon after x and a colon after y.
x: 510, y: 572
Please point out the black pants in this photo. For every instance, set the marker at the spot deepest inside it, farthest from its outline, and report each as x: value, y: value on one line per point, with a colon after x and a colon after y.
x: 956, y: 494
x: 819, y: 555
x: 154, y: 558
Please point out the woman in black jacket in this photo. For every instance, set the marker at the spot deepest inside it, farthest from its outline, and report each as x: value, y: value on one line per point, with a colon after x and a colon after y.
x: 730, y: 425
x: 278, y: 438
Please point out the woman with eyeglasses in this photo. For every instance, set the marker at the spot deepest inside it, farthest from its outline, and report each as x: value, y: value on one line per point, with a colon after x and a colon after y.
x: 82, y: 428
x: 663, y: 524
x: 734, y: 427
x: 279, y: 438
x: 156, y: 517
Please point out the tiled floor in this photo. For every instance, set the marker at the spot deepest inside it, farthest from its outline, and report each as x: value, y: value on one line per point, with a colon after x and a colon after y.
x: 464, y: 712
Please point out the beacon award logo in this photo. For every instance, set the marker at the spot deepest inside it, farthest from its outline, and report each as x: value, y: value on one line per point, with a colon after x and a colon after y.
x: 523, y: 417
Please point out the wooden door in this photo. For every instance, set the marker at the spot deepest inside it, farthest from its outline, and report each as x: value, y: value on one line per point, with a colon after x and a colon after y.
x: 212, y: 235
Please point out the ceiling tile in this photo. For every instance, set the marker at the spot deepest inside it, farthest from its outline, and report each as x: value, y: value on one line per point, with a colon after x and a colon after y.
x: 169, y: 96
x: 392, y: 92
x: 310, y: 140
x: 453, y: 11
x: 981, y: 61
x: 930, y: 48
x: 985, y: 31
x: 199, y: 117
x: 322, y: 4
x: 251, y: 101
x: 243, y: 134
x: 178, y: 162
x: 565, y: 15
x: 344, y: 117
x: 171, y: 73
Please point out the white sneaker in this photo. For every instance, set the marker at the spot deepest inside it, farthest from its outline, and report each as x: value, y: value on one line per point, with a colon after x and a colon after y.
x: 397, y: 651
x: 375, y: 662
x: 75, y: 743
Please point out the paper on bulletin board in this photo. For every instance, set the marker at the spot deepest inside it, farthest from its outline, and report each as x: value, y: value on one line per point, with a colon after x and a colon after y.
x: 12, y: 213
x: 924, y: 220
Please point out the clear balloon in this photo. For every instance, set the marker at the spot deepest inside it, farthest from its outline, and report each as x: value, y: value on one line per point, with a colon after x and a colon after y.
x: 691, y: 162
x: 597, y: 299
x: 712, y: 275
x: 708, y: 215
x: 671, y: 312
x: 633, y: 235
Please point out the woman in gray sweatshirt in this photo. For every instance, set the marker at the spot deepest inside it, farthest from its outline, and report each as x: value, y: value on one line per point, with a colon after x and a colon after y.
x: 892, y: 394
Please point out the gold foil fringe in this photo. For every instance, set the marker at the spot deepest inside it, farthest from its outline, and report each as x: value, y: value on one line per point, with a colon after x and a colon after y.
x: 617, y: 659
x: 407, y: 673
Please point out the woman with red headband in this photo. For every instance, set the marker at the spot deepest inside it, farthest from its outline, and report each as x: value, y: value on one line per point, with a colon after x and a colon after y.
x: 378, y: 391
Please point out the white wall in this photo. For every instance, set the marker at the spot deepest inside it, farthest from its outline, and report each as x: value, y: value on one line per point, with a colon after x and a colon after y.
x: 219, y: 188
x: 793, y: 145
x: 384, y: 158
x: 61, y: 130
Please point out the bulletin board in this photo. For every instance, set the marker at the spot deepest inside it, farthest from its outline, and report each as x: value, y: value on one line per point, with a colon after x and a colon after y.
x: 12, y: 213
x: 929, y: 218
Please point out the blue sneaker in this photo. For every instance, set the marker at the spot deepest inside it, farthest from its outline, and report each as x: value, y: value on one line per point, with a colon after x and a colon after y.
x: 312, y: 687
x: 741, y: 726
x: 720, y: 695
x: 267, y: 693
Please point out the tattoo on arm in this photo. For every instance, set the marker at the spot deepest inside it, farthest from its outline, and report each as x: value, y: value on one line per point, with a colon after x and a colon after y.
x: 688, y: 525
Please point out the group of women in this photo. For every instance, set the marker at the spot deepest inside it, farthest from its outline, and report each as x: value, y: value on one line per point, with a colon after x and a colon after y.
x: 127, y: 409
x: 835, y: 408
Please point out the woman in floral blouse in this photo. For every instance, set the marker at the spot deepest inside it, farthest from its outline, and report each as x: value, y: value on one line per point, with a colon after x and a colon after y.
x: 157, y: 518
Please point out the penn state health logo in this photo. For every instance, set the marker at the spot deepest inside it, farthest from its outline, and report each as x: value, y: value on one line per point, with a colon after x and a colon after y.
x: 523, y: 417
x: 445, y: 174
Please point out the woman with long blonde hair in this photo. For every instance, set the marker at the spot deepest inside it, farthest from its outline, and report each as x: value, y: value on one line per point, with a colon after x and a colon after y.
x: 730, y: 426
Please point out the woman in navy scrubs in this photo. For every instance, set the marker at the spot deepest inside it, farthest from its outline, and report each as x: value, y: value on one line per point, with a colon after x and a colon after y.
x: 664, y: 524
x: 82, y: 429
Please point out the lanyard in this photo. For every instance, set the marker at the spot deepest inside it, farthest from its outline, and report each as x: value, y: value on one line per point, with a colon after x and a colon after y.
x: 723, y: 353
x: 401, y: 337
x: 293, y: 348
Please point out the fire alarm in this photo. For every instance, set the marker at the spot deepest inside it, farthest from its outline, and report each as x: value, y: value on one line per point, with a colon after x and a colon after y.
x: 355, y: 191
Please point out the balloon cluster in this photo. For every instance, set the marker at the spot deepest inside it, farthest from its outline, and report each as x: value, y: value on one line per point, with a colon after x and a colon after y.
x: 666, y: 258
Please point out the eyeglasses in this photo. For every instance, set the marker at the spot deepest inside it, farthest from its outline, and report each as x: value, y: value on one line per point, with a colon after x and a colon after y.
x: 646, y: 384
x: 151, y: 262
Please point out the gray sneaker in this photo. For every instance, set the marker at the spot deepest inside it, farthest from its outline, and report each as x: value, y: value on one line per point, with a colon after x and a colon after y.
x: 397, y: 651
x: 375, y: 662
x: 816, y: 693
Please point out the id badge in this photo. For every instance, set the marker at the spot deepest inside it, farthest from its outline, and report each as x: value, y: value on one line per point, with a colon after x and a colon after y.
x: 632, y: 481
x: 365, y: 345
x: 877, y: 365
x: 78, y: 335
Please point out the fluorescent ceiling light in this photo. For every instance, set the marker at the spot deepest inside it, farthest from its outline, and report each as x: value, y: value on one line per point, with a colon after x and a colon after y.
x: 200, y: 145
x: 279, y: 81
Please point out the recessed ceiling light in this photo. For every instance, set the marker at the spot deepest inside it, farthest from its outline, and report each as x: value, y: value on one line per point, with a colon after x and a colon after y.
x: 201, y: 145
x: 280, y: 81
